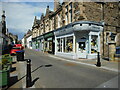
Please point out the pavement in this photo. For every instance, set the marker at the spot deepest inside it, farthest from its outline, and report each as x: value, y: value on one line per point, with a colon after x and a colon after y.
x: 105, y: 64
x: 18, y: 76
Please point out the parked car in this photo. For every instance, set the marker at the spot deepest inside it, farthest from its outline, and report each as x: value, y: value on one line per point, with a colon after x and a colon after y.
x: 16, y: 47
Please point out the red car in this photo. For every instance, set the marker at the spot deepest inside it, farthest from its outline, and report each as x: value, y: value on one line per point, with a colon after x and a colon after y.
x: 16, y: 47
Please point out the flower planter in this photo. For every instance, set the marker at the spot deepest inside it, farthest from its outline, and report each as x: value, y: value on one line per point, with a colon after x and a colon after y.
x: 8, y: 57
x: 4, y: 78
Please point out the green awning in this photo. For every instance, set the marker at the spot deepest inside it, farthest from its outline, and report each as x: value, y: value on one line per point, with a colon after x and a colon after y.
x: 48, y: 35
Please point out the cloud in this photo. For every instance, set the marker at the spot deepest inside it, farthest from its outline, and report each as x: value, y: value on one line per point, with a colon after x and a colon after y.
x: 0, y: 9
x: 20, y: 16
x: 27, y: 0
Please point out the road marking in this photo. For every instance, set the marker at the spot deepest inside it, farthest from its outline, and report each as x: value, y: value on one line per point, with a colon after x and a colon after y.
x: 111, y: 69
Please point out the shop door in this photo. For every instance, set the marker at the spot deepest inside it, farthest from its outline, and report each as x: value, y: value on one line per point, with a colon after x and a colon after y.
x: 81, y: 53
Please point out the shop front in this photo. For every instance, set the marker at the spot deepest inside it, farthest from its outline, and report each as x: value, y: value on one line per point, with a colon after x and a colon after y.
x: 49, y: 42
x: 78, y: 40
x: 40, y: 40
x: 34, y: 43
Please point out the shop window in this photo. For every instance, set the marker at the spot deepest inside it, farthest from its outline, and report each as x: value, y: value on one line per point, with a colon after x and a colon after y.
x: 30, y: 43
x: 69, y: 44
x: 58, y: 44
x: 94, y: 45
x: 45, y: 45
x: 50, y: 45
x: 64, y: 45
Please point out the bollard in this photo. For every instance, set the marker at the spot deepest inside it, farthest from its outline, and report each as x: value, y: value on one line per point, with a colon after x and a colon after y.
x: 98, y: 60
x: 28, y: 76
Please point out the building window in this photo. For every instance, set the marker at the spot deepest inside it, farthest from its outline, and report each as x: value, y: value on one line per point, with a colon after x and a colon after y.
x: 30, y: 43
x: 70, y: 13
x: 70, y: 5
x: 65, y: 44
x: 69, y: 44
x: 61, y: 43
x: 66, y: 8
x: 59, y: 20
x: 50, y: 45
x: 66, y: 15
x: 94, y: 44
x: 58, y: 44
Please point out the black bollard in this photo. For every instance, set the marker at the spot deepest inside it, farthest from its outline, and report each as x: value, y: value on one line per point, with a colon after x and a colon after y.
x: 98, y: 60
x: 28, y: 76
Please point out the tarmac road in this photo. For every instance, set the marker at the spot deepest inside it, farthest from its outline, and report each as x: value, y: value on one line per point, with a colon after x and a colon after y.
x: 51, y: 72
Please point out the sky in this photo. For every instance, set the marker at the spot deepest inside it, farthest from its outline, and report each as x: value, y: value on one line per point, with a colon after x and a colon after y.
x: 20, y: 15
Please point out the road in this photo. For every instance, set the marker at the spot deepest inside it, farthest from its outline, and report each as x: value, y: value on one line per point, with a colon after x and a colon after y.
x: 51, y: 72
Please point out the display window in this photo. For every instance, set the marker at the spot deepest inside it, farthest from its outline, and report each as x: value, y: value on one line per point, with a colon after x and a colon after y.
x: 94, y: 43
x: 45, y: 45
x: 50, y: 45
x: 58, y: 44
x: 65, y: 44
x: 61, y: 44
x: 69, y: 44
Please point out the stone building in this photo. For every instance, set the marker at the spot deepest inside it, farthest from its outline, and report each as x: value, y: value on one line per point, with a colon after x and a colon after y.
x: 108, y: 12
x: 6, y: 38
x: 27, y: 39
x: 13, y: 38
x: 67, y: 14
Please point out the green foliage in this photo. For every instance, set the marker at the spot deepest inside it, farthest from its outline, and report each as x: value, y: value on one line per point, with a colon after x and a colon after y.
x: 4, y: 64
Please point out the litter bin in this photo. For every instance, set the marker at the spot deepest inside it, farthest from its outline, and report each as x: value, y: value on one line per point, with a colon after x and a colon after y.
x: 20, y: 55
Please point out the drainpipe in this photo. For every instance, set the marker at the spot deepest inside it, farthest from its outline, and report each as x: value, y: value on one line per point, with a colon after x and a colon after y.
x: 102, y: 19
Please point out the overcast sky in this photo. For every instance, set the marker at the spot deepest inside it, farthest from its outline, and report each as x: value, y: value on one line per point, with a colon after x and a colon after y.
x: 20, y: 15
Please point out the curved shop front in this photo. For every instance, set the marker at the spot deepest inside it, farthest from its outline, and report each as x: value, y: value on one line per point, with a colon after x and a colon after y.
x: 78, y: 40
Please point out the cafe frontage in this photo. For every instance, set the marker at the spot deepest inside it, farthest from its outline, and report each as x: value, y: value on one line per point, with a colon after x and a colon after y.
x: 78, y: 40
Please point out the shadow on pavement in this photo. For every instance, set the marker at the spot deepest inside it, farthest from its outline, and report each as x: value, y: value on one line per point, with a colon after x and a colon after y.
x: 33, y: 82
x: 12, y: 80
x: 13, y: 62
x: 37, y: 68
x: 48, y: 65
x: 13, y: 69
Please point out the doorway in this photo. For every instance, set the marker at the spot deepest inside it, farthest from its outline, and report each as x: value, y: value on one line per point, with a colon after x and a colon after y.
x: 81, y: 51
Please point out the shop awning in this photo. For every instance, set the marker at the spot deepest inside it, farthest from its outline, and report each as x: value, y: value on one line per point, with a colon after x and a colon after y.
x: 79, y: 26
x: 39, y: 37
x: 47, y: 35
